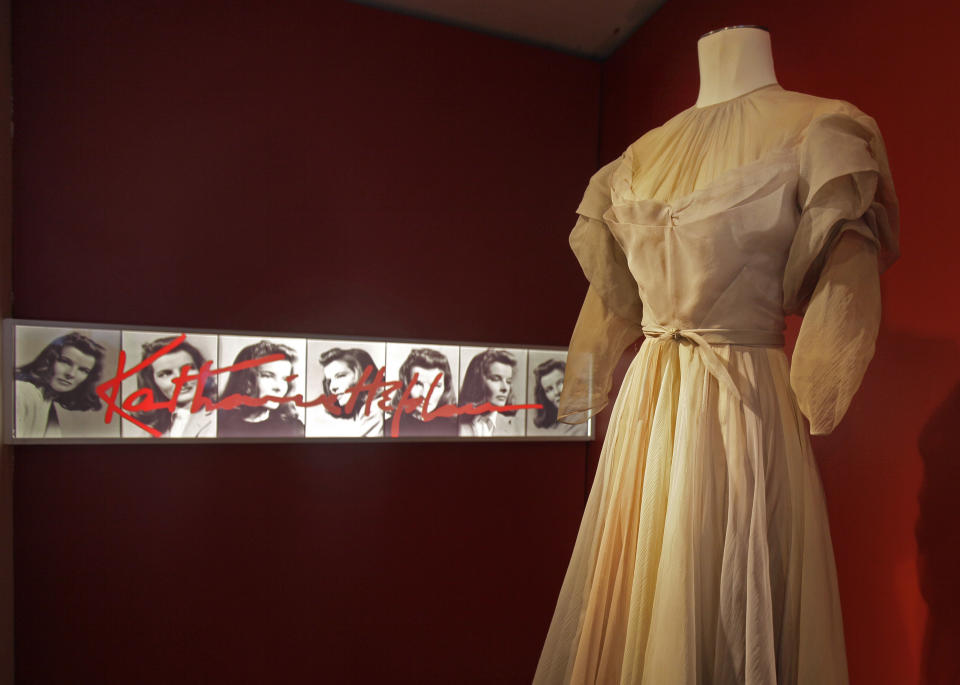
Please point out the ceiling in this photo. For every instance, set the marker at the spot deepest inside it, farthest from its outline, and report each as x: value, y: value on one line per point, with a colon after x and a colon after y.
x: 590, y: 29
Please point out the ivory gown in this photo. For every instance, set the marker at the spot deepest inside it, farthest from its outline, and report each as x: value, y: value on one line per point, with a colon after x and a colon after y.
x: 704, y: 554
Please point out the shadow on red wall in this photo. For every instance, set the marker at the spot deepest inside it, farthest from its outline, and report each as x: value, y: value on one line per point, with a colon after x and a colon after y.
x: 877, y: 486
x: 938, y: 541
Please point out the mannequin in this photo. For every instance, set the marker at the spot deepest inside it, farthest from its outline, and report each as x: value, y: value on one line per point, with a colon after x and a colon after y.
x: 704, y: 550
x: 733, y: 61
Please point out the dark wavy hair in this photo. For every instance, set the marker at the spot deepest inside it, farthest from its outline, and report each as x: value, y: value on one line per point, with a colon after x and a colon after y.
x: 473, y: 390
x: 40, y: 370
x: 427, y: 358
x: 244, y: 381
x: 162, y: 419
x: 547, y: 414
x: 357, y: 360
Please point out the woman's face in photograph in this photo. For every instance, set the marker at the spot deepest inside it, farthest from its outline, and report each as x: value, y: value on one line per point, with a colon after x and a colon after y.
x: 552, y: 384
x: 421, y: 387
x: 271, y: 380
x: 497, y: 382
x: 167, y: 369
x: 70, y: 369
x: 341, y: 377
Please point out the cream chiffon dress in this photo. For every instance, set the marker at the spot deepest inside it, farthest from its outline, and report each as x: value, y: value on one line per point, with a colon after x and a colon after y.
x: 704, y: 554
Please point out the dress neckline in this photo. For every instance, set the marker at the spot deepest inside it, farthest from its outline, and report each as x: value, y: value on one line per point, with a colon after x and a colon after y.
x: 783, y: 157
x: 735, y: 98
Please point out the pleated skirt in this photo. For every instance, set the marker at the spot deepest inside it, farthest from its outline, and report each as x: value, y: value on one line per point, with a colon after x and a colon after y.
x: 704, y: 554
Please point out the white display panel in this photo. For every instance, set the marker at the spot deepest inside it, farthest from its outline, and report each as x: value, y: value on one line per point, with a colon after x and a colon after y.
x: 282, y: 378
x: 75, y: 383
x: 493, y: 377
x: 159, y: 379
x: 544, y: 385
x: 418, y: 367
x: 334, y: 366
x: 55, y: 373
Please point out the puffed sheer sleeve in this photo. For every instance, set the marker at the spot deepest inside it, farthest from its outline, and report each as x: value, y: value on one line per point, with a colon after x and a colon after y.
x: 847, y: 235
x: 611, y: 313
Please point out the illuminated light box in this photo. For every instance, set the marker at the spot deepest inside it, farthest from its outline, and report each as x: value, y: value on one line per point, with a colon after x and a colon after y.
x: 83, y: 383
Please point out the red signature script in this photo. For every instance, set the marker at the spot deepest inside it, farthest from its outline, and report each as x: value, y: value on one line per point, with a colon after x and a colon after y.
x: 378, y: 390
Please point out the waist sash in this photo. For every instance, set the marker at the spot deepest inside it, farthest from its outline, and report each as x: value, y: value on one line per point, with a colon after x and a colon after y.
x: 703, y: 338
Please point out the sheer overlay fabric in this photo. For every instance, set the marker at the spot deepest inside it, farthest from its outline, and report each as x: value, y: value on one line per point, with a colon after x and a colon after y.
x: 704, y: 554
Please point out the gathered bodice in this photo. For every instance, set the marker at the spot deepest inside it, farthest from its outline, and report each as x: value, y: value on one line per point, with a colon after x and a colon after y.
x: 715, y: 258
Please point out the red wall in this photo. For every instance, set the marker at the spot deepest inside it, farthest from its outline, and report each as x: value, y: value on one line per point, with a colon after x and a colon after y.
x: 303, y: 167
x: 892, y: 470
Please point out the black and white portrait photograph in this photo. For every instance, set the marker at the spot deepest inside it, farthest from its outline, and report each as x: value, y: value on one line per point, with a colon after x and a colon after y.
x: 430, y: 372
x: 55, y: 382
x: 280, y: 378
x: 157, y: 382
x: 333, y: 367
x: 496, y: 376
x: 544, y: 385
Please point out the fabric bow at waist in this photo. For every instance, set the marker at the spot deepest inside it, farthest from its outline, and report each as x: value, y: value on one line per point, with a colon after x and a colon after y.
x: 705, y: 337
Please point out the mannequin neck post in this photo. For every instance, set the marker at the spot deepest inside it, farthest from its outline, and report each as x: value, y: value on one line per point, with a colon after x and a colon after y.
x: 733, y: 62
